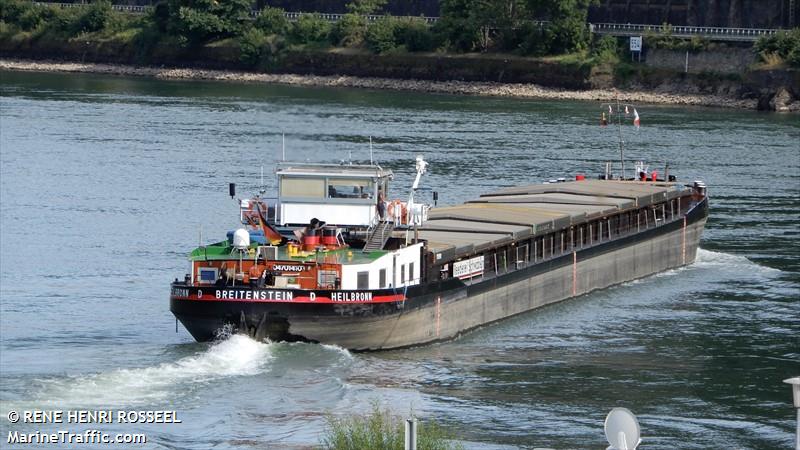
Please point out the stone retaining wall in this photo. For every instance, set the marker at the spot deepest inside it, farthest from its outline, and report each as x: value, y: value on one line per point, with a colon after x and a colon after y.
x: 726, y: 60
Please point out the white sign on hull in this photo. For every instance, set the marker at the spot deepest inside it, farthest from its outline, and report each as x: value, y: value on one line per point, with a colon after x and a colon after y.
x: 468, y: 268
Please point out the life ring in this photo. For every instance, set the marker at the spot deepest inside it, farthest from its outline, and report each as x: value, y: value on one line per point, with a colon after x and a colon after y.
x: 392, y: 206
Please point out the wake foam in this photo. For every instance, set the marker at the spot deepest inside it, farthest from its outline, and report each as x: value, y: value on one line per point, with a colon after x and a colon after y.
x: 708, y: 258
x: 343, y: 351
x: 236, y: 356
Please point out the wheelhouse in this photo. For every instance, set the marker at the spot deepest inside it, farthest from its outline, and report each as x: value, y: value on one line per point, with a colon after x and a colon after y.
x: 342, y: 195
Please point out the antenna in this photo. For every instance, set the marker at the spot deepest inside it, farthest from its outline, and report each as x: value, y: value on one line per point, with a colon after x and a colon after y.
x: 350, y: 156
x: 262, y: 178
x: 283, y: 146
x: 370, y: 149
x: 622, y: 430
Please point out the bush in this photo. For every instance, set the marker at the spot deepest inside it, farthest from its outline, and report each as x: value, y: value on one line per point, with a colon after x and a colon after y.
x: 381, y: 431
x: 457, y: 33
x: 258, y: 49
x: 567, y: 35
x: 533, y: 40
x: 26, y: 15
x: 311, y: 29
x: 349, y: 31
x: 697, y: 44
x: 415, y: 35
x: 783, y: 44
x: 380, y: 37
x: 250, y: 45
x: 94, y: 18
x: 12, y: 10
x: 793, y: 58
x: 145, y: 39
x: 605, y: 49
x: 64, y: 21
x: 667, y: 41
x: 365, y: 7
x: 33, y: 17
x: 272, y: 21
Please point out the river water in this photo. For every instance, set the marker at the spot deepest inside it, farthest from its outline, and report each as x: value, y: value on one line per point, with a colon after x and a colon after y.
x: 108, y: 182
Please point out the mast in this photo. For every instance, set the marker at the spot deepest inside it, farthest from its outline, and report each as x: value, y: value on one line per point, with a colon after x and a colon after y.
x: 621, y: 142
x: 619, y: 105
x: 421, y: 166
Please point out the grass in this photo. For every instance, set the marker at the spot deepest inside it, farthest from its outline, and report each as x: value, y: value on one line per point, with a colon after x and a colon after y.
x: 380, y: 430
x: 770, y: 61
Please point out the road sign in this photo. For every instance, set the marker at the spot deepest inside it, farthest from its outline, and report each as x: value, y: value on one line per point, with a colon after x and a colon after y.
x: 636, y: 43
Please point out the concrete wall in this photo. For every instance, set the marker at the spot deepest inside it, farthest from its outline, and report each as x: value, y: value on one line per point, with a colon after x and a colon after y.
x: 727, y: 60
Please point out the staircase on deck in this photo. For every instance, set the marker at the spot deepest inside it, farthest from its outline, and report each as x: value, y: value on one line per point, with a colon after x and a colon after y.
x: 378, y: 237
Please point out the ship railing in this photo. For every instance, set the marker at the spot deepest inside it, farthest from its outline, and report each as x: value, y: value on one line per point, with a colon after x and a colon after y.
x: 373, y: 224
x: 273, y: 209
x: 418, y: 214
x: 528, y: 254
x: 656, y: 216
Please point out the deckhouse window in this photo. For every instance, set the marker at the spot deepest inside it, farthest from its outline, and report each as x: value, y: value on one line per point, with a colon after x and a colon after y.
x: 302, y: 187
x: 362, y: 280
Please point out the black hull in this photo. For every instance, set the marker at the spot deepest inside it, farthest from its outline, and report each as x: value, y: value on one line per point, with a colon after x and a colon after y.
x: 442, y: 310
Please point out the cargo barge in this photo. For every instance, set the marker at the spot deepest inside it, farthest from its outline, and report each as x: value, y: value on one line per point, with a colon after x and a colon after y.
x: 331, y: 260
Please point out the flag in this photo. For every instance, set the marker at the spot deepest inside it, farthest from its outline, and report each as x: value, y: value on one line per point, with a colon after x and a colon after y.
x: 635, y: 118
x: 610, y: 111
x: 626, y: 110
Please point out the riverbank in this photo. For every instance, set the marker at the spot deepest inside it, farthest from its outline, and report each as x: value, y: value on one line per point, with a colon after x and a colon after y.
x: 489, y: 89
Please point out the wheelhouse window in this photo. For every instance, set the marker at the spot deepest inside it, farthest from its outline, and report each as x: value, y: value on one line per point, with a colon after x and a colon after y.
x: 350, y: 188
x: 303, y: 187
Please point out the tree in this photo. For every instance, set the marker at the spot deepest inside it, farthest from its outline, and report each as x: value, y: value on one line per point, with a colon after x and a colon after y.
x: 567, y: 28
x: 198, y: 21
x: 349, y: 31
x: 311, y: 29
x: 272, y: 21
x: 380, y: 35
x: 481, y: 24
x: 365, y: 7
x: 460, y: 24
x: 95, y: 17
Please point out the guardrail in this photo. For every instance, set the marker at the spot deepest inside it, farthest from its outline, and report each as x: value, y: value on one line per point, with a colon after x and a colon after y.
x: 136, y: 9
x: 712, y: 33
x: 291, y: 16
x: 613, y: 29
